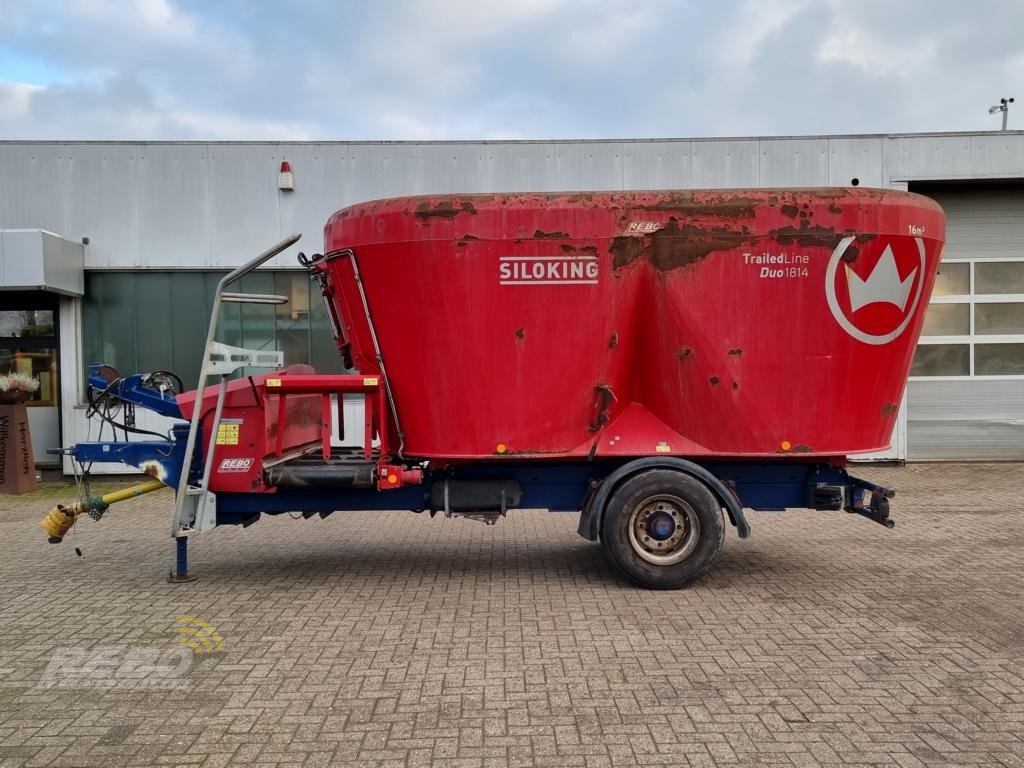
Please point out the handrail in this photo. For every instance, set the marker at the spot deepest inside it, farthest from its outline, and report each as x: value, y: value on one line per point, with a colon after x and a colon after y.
x: 249, y: 266
x: 204, y: 374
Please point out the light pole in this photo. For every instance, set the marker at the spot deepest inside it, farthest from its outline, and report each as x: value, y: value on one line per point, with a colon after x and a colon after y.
x: 1004, y: 107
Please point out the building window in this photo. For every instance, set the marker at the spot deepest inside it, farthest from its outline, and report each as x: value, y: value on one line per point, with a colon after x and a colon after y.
x: 28, y: 342
x: 974, y: 325
x: 157, y: 320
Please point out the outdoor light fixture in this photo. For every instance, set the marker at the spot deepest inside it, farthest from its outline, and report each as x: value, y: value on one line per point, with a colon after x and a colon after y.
x: 1004, y: 107
x: 285, y: 179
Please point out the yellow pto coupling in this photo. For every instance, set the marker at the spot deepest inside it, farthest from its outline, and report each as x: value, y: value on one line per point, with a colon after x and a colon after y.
x: 58, y: 521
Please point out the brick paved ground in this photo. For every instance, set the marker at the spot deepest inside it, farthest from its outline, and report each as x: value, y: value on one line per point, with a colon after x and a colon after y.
x: 396, y: 640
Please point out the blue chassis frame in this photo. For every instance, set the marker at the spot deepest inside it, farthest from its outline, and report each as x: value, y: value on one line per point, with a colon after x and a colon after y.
x: 556, y: 485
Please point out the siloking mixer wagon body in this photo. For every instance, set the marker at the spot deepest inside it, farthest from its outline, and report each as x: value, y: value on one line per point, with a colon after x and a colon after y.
x: 655, y: 361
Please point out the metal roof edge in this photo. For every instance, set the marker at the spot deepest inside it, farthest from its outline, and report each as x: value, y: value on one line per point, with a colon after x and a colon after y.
x: 451, y: 142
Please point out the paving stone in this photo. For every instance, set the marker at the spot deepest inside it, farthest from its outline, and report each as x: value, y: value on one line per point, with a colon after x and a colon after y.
x: 390, y: 639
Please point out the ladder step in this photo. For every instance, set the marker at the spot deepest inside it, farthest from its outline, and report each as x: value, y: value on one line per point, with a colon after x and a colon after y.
x: 253, y: 298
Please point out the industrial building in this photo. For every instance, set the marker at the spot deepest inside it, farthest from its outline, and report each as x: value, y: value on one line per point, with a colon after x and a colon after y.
x: 109, y: 251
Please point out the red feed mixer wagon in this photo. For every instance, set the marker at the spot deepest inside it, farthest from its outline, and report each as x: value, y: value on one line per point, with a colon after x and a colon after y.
x: 656, y: 361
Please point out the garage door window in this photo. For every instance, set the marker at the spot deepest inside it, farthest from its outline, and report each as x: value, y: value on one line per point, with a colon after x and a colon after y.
x: 974, y: 325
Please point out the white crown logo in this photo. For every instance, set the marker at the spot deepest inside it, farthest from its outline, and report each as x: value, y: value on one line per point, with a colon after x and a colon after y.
x: 883, y: 284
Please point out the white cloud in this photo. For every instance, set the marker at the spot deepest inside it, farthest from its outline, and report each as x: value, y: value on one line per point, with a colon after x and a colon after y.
x: 854, y: 45
x: 15, y: 100
x: 754, y: 23
x: 499, y: 69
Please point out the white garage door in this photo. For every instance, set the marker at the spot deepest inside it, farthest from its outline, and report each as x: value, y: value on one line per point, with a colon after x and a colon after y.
x: 966, y: 393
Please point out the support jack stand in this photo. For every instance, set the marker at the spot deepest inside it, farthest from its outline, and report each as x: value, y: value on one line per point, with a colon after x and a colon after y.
x: 180, y: 574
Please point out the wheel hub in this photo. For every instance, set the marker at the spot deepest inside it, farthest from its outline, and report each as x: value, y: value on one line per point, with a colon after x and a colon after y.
x: 663, y: 529
x: 660, y: 525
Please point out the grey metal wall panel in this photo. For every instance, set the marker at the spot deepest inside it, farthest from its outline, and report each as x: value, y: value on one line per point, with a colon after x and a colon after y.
x: 244, y: 209
x: 656, y: 165
x: 193, y: 205
x: 937, y: 157
x: 35, y: 189
x: 451, y: 168
x: 892, y: 163
x: 321, y: 185
x: 103, y: 190
x: 966, y: 419
x: 589, y: 166
x: 851, y: 158
x: 997, y: 154
x: 174, y: 206
x: 719, y: 164
x: 520, y: 167
x: 33, y: 259
x: 377, y: 171
x: 63, y: 264
x: 21, y: 259
x: 793, y: 163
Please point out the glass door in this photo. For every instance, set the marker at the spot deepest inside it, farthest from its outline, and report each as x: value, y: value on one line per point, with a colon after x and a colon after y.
x: 28, y: 346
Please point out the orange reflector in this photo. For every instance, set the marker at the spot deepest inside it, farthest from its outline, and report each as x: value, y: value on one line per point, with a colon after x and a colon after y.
x: 501, y: 448
x: 785, y: 445
x: 392, y: 479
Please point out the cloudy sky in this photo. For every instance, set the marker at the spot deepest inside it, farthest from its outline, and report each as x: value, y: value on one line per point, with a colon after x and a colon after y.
x: 453, y: 69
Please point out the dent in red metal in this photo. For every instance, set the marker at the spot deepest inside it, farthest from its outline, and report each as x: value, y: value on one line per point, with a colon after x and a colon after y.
x: 746, y: 322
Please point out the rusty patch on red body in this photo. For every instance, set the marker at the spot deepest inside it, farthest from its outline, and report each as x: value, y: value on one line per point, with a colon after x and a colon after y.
x: 684, y: 353
x: 714, y: 380
x: 789, y: 210
x: 737, y: 352
x: 851, y: 254
x: 889, y: 409
x: 801, y: 448
x: 807, y: 236
x: 444, y: 210
x: 675, y: 246
x: 833, y: 208
x: 520, y: 334
x: 626, y: 250
x: 687, y: 205
x: 613, y: 342
x: 541, y: 235
x: 532, y: 452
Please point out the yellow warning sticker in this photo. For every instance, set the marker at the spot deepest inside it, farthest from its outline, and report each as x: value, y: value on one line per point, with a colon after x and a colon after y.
x: 370, y: 381
x: 273, y: 382
x: 663, y: 447
x: 227, y: 434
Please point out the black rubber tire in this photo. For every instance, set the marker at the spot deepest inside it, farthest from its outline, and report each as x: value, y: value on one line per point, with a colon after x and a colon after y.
x: 633, y: 492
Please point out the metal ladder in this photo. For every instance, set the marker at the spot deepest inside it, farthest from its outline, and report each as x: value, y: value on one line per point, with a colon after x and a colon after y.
x: 195, y: 507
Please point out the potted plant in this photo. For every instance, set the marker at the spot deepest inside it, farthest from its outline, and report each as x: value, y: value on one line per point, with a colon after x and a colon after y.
x: 17, y: 388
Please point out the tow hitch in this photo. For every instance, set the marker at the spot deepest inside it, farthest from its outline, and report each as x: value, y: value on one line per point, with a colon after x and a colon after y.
x: 855, y: 496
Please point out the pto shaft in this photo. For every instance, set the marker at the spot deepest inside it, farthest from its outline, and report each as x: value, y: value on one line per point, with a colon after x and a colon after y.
x: 58, y: 521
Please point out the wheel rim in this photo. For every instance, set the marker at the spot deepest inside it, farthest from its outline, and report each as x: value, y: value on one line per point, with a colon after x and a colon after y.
x: 663, y: 529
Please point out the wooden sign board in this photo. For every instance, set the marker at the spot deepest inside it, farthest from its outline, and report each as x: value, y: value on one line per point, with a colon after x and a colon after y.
x: 17, y: 467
